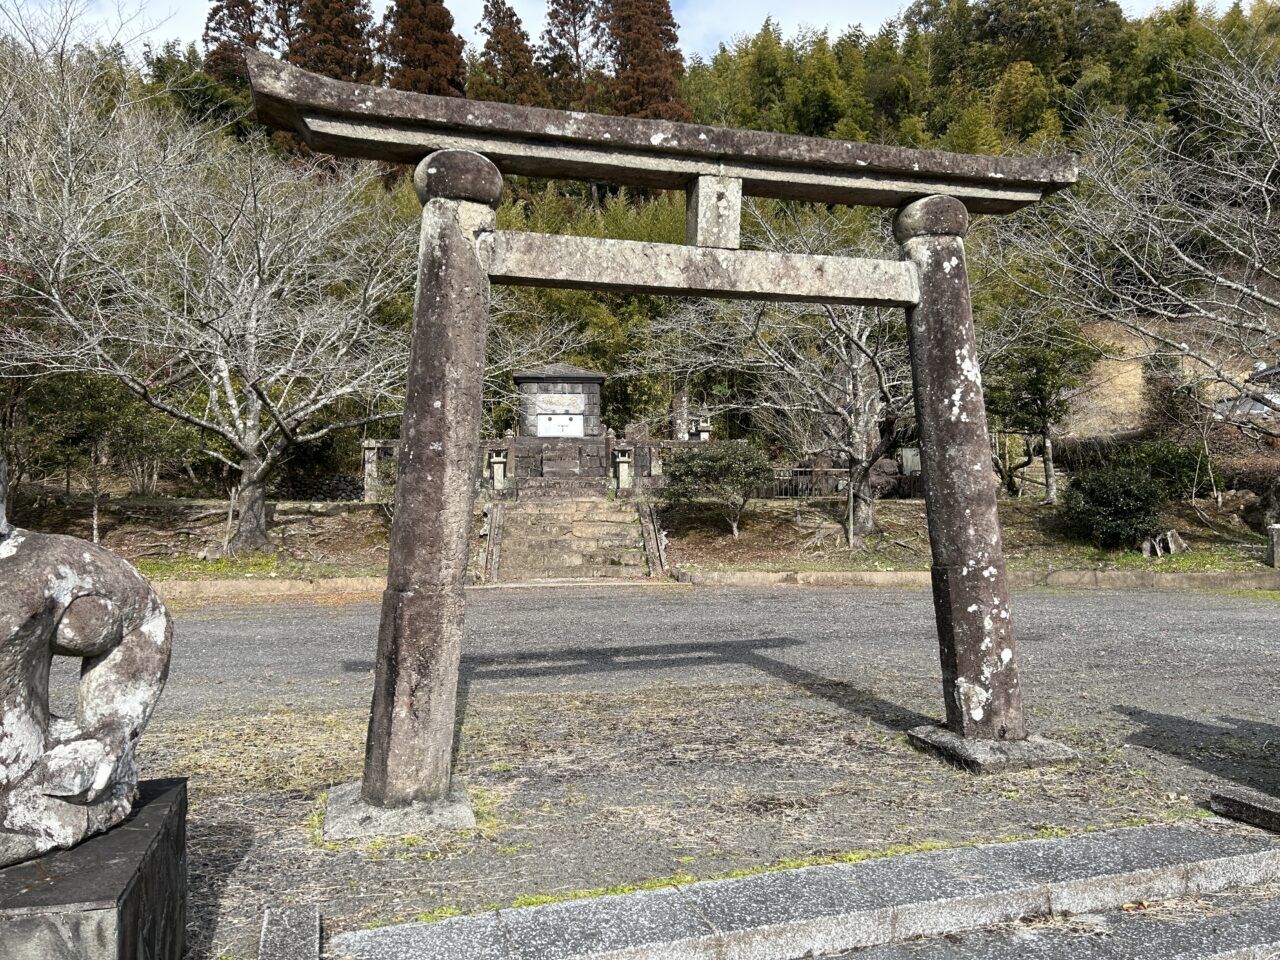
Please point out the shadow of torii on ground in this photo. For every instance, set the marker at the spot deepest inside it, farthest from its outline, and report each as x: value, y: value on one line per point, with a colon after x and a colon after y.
x: 753, y: 653
x: 1246, y: 752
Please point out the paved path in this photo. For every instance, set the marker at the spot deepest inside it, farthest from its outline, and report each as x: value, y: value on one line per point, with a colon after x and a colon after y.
x: 777, y: 709
x: 1180, y: 652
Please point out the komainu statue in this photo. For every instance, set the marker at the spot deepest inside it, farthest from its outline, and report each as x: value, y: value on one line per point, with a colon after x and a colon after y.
x: 62, y: 780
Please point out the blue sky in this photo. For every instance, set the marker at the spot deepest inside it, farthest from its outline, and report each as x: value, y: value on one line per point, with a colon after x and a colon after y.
x: 703, y: 23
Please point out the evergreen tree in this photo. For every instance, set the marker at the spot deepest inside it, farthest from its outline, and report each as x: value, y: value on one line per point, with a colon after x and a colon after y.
x: 232, y: 27
x: 422, y: 52
x: 505, y: 70
x: 821, y: 96
x: 282, y: 25
x: 1019, y: 99
x: 332, y: 38
x: 647, y: 62
x: 570, y: 52
x: 973, y: 131
x: 180, y: 75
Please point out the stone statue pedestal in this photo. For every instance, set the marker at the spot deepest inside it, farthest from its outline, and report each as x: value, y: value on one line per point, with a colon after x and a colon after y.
x: 116, y: 896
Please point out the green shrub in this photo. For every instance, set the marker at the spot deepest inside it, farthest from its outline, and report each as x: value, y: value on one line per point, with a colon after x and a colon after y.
x: 721, y: 476
x: 1114, y: 505
x: 1181, y: 471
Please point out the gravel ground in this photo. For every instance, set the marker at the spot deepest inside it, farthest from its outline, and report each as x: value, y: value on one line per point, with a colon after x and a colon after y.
x: 621, y: 737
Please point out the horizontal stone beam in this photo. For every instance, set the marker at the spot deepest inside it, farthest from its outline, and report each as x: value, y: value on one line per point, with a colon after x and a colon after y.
x: 590, y: 263
x: 358, y: 120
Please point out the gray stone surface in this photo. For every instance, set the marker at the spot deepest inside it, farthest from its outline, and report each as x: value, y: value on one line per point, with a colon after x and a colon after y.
x: 948, y: 890
x: 980, y: 680
x: 348, y: 816
x: 409, y: 748
x: 119, y: 895
x: 1241, y: 928
x: 713, y: 216
x: 480, y: 937
x: 817, y: 909
x: 1251, y: 806
x: 645, y: 924
x: 63, y: 779
x: 563, y: 388
x: 980, y: 755
x: 593, y: 263
x: 290, y: 933
x: 571, y: 538
x: 830, y: 909
x: 458, y: 175
x: 357, y: 120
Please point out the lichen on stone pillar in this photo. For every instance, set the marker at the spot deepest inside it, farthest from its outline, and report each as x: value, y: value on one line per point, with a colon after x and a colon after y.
x: 408, y: 751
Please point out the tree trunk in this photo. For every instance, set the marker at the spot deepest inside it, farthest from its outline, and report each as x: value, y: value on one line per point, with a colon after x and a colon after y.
x: 4, y: 494
x: 1009, y: 470
x: 96, y: 488
x: 1050, y: 477
x: 860, y: 509
x: 251, y: 534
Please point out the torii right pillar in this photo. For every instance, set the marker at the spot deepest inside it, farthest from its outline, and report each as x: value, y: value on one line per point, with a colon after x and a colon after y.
x: 985, y: 726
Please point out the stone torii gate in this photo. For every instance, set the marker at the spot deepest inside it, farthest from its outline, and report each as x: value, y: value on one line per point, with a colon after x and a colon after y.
x: 462, y: 148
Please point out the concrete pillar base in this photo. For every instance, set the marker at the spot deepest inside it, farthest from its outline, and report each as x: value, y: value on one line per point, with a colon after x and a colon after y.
x: 348, y: 817
x: 979, y: 755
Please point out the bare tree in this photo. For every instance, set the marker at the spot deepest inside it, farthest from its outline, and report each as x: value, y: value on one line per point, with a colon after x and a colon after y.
x: 1174, y: 230
x: 236, y: 292
x: 824, y: 378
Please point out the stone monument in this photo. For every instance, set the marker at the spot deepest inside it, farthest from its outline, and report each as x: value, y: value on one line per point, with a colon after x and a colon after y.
x: 64, y: 780
x: 462, y: 150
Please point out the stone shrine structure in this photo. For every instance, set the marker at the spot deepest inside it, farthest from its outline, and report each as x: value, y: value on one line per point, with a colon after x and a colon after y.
x: 559, y: 448
x: 559, y: 401
x: 461, y: 150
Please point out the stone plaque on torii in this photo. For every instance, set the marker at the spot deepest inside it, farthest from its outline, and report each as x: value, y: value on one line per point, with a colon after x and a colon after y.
x: 462, y: 148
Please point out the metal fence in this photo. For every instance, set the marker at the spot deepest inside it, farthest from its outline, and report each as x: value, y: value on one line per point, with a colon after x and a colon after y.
x: 803, y: 483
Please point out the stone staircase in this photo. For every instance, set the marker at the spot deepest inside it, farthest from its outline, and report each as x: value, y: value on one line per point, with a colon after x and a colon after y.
x: 584, y: 538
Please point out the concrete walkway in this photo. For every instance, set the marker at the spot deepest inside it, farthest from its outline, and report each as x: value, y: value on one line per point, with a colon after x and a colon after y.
x: 785, y: 915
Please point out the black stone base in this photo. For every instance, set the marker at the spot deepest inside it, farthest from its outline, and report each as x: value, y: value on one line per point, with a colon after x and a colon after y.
x: 117, y: 896
x: 1249, y: 806
x: 989, y: 756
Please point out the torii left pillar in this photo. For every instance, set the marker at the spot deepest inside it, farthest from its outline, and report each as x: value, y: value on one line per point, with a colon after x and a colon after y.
x: 407, y: 785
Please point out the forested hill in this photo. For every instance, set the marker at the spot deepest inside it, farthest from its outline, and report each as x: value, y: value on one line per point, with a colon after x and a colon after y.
x: 974, y: 77
x: 979, y: 76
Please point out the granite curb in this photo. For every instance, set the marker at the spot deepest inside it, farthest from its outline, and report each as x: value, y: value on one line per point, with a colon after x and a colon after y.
x: 1065, y: 579
x: 170, y: 590
x: 290, y: 933
x: 786, y: 914
x: 1250, y: 931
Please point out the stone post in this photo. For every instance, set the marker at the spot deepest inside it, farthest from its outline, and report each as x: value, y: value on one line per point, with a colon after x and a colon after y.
x: 970, y: 591
x: 409, y: 749
x: 623, y: 467
x: 1273, y: 545
x: 498, y: 469
x: 369, y: 454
